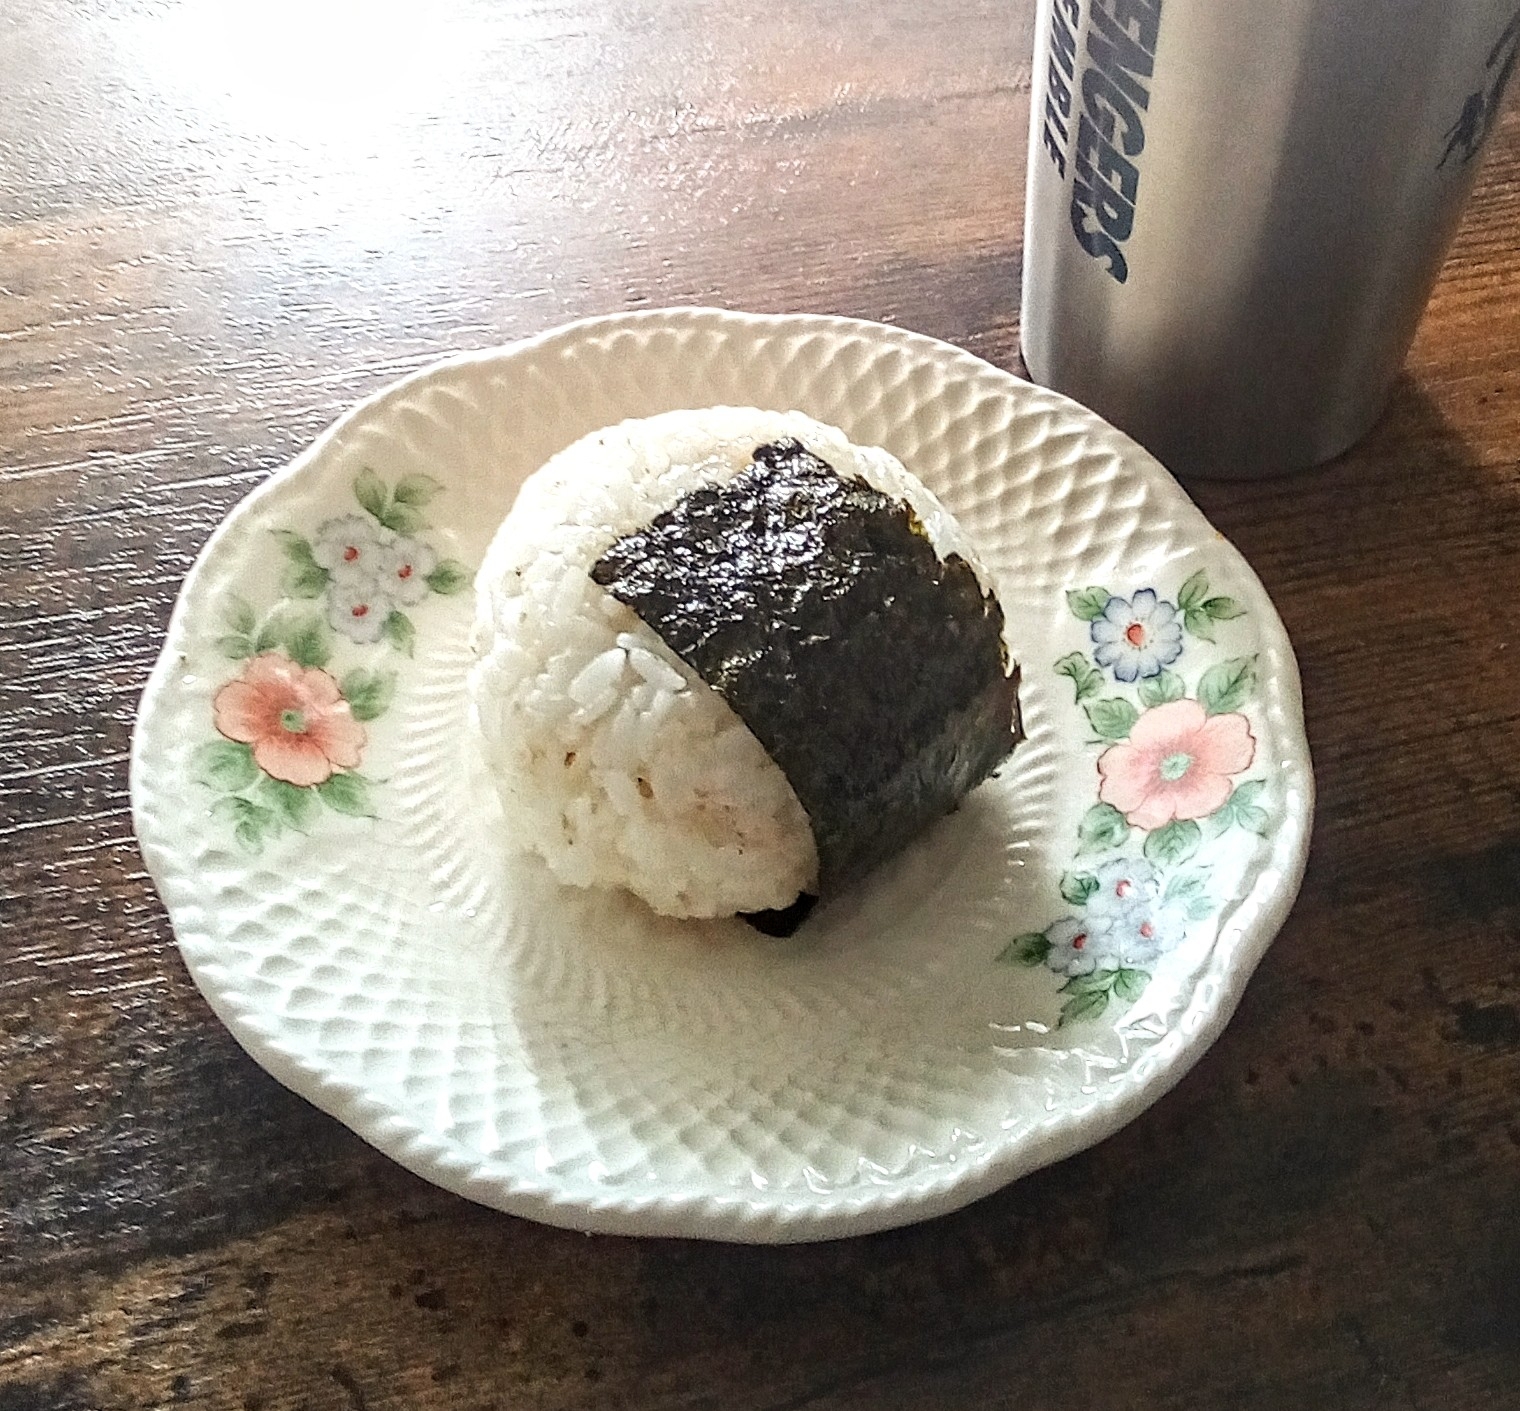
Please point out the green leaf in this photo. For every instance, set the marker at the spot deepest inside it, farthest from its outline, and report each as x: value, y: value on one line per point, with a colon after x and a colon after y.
x: 1193, y: 591
x: 1112, y: 719
x: 226, y: 766
x: 368, y: 693
x: 1223, y: 609
x: 269, y: 635
x: 1084, y: 1006
x: 371, y: 493
x: 1162, y: 689
x: 299, y: 552
x: 1184, y: 885
x: 240, y: 643
x: 1199, y: 623
x: 293, y: 806
x: 239, y: 616
x: 1088, y: 603
x: 1077, y: 887
x: 1253, y: 820
x: 1129, y: 985
x: 1093, y: 982
x: 1102, y: 827
x: 448, y: 578
x: 252, y: 824
x: 416, y: 490
x: 307, y: 642
x: 1241, y: 807
x: 347, y: 793
x: 403, y: 519
x: 1175, y: 842
x: 1199, y: 907
x: 1246, y: 794
x: 399, y: 631
x: 1228, y: 685
x: 309, y: 582
x: 1028, y: 949
x: 1084, y: 675
x: 236, y: 646
x: 304, y: 576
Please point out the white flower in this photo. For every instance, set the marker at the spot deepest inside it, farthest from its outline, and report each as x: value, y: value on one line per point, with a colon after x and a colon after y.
x: 1078, y: 946
x: 1137, y: 637
x: 349, y: 547
x: 357, y: 606
x: 403, y: 565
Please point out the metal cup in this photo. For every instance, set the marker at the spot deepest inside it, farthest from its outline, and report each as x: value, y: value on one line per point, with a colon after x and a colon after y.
x: 1236, y: 210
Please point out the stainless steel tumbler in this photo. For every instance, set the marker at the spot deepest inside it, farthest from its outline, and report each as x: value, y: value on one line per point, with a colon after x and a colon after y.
x: 1236, y: 210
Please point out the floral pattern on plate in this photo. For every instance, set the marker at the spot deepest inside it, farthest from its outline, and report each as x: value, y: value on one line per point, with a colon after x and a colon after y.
x: 1169, y: 786
x: 291, y: 728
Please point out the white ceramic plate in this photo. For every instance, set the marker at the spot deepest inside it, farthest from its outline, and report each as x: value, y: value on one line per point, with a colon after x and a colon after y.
x: 1030, y: 975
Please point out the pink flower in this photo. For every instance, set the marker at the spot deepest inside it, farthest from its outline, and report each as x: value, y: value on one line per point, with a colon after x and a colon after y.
x: 300, y: 727
x: 1176, y: 763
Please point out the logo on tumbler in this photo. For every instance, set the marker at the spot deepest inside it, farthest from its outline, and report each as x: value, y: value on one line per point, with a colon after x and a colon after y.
x: 1107, y: 101
x: 1479, y: 109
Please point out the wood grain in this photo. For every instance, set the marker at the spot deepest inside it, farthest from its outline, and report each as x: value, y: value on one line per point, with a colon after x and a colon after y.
x: 215, y: 234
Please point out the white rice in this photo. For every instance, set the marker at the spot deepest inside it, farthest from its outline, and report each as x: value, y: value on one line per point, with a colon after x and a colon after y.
x: 614, y: 760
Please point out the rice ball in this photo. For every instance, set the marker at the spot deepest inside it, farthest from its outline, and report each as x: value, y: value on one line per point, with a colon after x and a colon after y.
x: 614, y: 760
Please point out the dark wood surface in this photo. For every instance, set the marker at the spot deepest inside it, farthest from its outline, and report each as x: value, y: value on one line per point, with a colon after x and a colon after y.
x: 216, y: 234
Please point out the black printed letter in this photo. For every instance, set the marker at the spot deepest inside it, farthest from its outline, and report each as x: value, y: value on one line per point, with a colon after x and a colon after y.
x: 1108, y: 105
x: 1095, y: 242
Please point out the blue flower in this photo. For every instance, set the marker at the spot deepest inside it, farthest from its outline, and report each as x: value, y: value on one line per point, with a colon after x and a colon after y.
x: 1137, y: 637
x: 1137, y: 923
x: 1123, y: 884
x: 1080, y: 946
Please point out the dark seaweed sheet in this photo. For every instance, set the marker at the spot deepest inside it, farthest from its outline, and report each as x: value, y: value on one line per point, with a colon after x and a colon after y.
x: 872, y: 671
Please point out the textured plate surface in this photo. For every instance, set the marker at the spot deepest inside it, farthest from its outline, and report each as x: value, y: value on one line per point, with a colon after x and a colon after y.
x: 1027, y: 977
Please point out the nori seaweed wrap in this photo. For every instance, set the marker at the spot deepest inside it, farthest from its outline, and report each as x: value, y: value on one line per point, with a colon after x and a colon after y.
x: 872, y: 671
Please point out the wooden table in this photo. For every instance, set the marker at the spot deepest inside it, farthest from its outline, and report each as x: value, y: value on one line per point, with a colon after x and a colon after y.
x: 220, y: 226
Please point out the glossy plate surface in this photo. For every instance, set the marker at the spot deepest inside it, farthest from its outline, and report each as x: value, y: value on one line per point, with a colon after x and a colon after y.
x: 1030, y: 975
